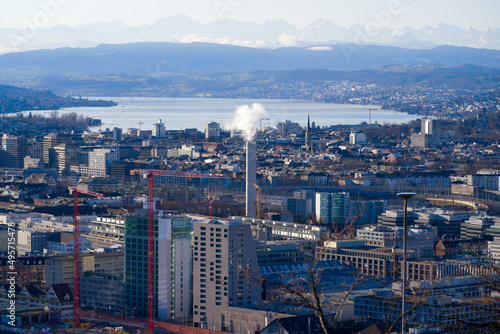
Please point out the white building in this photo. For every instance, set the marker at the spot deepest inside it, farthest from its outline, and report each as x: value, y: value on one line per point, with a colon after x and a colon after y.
x: 100, y: 161
x: 379, y: 236
x: 63, y: 243
x: 49, y: 223
x: 288, y: 127
x: 159, y: 129
x: 357, y: 138
x: 174, y: 270
x: 212, y: 130
x: 494, y: 246
x: 31, y: 241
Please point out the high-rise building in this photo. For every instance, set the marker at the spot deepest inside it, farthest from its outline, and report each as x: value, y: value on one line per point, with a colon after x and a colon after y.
x: 367, y: 212
x: 357, y: 138
x: 306, y: 194
x: 14, y: 149
x: 225, y: 269
x: 117, y: 134
x: 300, y: 208
x: 67, y: 156
x: 429, y: 134
x: 212, y: 130
x: 35, y: 148
x: 332, y: 208
x: 172, y: 238
x: 159, y: 129
x: 288, y: 127
x: 50, y: 141
x: 120, y: 171
x: 100, y: 161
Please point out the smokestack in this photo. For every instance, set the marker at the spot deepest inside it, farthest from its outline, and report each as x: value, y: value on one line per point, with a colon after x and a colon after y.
x: 251, y: 178
x: 247, y: 119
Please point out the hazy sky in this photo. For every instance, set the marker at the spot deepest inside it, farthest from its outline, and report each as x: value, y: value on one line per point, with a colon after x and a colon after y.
x: 480, y: 14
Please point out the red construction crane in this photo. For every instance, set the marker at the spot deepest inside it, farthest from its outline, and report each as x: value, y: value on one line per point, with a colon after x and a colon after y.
x: 151, y: 259
x: 76, y: 250
x: 161, y: 172
x: 370, y: 116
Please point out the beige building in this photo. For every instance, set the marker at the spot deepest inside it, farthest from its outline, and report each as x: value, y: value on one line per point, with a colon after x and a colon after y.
x: 378, y: 262
x: 59, y: 269
x: 67, y: 156
x: 225, y: 269
x: 50, y: 141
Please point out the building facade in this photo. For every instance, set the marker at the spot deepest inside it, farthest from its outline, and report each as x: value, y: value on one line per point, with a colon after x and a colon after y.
x: 50, y: 141
x: 332, y: 208
x: 212, y: 130
x: 225, y: 269
x: 14, y: 149
x: 172, y: 237
x: 159, y: 129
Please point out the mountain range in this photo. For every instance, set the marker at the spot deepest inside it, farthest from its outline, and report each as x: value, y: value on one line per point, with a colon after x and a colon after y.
x: 270, y: 34
x: 157, y: 59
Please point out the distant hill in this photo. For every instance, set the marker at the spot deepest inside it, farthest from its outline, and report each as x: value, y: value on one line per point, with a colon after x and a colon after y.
x: 16, y: 99
x: 153, y: 59
x: 471, y: 78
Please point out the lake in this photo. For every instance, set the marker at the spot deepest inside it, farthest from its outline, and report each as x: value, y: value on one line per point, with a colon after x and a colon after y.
x: 182, y: 113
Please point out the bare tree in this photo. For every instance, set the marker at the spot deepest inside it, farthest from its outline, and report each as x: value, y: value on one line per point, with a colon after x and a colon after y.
x: 307, y: 289
x: 483, y: 312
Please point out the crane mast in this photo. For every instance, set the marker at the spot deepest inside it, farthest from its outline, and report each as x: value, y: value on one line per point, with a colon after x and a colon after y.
x: 76, y: 249
x: 151, y: 258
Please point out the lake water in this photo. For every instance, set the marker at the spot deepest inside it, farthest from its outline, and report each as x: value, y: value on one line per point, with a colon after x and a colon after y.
x: 182, y: 113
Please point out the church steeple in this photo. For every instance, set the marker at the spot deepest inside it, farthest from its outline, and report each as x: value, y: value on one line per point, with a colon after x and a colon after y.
x: 308, y: 130
x: 308, y: 133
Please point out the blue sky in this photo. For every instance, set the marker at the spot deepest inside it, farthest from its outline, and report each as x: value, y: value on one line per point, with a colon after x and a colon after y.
x: 480, y: 14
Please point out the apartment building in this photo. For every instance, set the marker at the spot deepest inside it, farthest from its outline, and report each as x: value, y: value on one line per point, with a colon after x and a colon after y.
x: 225, y: 269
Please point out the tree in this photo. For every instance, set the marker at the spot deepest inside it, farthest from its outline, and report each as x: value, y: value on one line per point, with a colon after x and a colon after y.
x: 306, y: 288
x: 484, y: 315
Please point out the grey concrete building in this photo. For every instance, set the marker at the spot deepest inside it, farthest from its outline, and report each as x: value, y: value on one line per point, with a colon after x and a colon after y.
x: 225, y: 269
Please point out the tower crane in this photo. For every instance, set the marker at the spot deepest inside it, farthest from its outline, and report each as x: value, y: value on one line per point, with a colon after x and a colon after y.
x: 161, y: 172
x: 369, y: 114
x: 151, y: 258
x: 76, y: 249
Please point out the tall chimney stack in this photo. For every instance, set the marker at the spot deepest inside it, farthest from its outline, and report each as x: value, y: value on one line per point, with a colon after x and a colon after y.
x: 251, y: 178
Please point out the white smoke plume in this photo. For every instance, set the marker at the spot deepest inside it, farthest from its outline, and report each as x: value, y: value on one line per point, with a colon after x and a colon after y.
x: 247, y: 118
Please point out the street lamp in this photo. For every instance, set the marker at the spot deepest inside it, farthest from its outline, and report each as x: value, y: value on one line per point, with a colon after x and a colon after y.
x: 406, y: 197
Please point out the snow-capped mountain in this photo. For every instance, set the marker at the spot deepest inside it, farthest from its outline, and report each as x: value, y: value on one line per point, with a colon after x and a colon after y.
x: 269, y: 34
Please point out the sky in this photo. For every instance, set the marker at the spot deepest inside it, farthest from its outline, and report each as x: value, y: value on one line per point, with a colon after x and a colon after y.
x: 479, y: 14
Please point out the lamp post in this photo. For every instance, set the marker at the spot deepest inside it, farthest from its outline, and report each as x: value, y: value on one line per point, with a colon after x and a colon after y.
x: 406, y: 197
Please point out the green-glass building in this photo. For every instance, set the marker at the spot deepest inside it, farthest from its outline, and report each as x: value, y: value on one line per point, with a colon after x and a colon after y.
x: 172, y: 266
